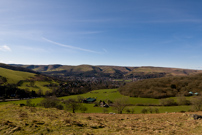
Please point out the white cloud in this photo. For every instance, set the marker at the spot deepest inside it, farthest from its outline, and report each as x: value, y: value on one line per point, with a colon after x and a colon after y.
x: 5, y: 48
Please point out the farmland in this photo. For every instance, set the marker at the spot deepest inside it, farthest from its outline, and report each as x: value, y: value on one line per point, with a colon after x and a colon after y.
x: 113, y: 94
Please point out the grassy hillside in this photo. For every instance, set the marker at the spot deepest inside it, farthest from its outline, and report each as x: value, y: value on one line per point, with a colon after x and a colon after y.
x: 15, y: 76
x: 39, y: 85
x: 28, y: 120
x: 18, y: 81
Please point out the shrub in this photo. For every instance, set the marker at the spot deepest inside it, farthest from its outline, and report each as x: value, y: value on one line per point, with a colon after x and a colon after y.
x: 196, y: 103
x: 156, y: 110
x: 150, y: 110
x: 144, y: 110
x: 183, y: 101
x: 83, y: 109
x: 128, y: 110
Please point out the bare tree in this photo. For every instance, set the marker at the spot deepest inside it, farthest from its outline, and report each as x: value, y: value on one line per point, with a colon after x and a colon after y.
x: 72, y: 104
x: 120, y: 104
x: 197, y: 103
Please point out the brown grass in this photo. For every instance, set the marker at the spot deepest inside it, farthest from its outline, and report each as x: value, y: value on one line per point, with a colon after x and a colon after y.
x: 28, y: 120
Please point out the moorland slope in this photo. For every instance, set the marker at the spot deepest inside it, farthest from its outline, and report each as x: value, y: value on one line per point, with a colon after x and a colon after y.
x: 33, y: 120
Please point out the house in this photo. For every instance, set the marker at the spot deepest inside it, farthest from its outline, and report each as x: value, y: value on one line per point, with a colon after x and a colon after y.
x: 191, y: 93
x: 196, y: 93
x: 103, y: 104
x: 89, y: 100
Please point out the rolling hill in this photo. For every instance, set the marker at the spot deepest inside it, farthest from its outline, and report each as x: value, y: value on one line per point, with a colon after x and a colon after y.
x: 16, y: 79
x: 164, y: 87
x: 116, y: 72
x: 15, y: 76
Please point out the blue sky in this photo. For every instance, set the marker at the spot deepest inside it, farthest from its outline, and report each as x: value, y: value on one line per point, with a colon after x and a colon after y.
x: 165, y: 33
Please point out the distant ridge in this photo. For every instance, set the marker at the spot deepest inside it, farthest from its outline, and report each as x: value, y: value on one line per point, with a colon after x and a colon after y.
x: 109, y: 71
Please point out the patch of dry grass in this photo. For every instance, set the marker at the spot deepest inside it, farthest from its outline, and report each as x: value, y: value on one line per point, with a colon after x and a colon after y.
x: 29, y: 120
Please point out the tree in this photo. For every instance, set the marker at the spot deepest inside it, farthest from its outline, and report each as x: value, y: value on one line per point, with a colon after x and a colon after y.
x: 144, y: 110
x: 120, y: 104
x: 80, y: 99
x: 72, y: 104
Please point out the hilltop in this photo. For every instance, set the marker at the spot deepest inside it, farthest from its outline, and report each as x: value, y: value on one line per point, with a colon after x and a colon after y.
x: 115, y: 72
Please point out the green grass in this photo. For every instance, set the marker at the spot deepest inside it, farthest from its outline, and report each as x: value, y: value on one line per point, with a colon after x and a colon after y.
x: 15, y: 76
x: 39, y: 85
x: 112, y: 94
x: 33, y: 101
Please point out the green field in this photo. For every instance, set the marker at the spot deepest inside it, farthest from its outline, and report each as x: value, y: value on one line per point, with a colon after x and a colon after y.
x: 112, y: 94
x: 15, y: 76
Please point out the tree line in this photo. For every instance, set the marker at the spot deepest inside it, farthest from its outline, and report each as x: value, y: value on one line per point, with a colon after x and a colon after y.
x: 163, y: 87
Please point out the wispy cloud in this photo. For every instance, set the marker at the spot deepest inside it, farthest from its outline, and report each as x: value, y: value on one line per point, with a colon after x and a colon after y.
x: 5, y: 48
x: 171, y: 21
x: 34, y: 49
x: 105, y: 50
x: 69, y: 46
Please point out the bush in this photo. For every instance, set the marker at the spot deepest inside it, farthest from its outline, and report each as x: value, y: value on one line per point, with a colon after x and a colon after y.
x: 150, y: 110
x: 50, y: 102
x: 128, y: 110
x: 196, y: 103
x: 183, y: 101
x: 168, y: 102
x: 156, y: 110
x: 28, y: 102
